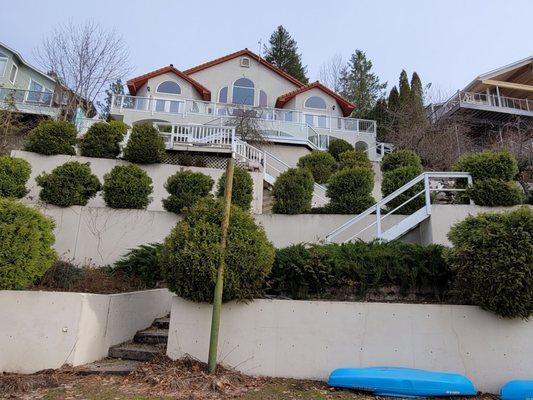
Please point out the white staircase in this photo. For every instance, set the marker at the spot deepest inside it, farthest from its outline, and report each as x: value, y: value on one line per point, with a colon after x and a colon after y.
x: 389, y: 226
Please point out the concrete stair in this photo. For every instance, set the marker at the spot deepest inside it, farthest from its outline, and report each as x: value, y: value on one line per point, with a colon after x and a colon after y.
x: 268, y: 200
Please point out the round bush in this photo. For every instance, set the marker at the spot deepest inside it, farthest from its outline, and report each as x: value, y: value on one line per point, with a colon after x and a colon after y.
x: 353, y: 159
x: 145, y: 146
x: 489, y: 165
x: 26, y: 239
x: 395, y: 179
x: 191, y: 254
x: 400, y: 158
x: 293, y: 192
x: 127, y: 186
x: 243, y: 188
x: 349, y: 190
x: 320, y: 163
x: 69, y: 184
x: 14, y: 173
x: 101, y: 140
x: 493, y: 261
x: 337, y: 147
x: 52, y: 137
x: 493, y: 192
x: 120, y: 127
x: 186, y: 188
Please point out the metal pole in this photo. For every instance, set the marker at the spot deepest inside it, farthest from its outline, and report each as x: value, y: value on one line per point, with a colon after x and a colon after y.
x: 217, y: 301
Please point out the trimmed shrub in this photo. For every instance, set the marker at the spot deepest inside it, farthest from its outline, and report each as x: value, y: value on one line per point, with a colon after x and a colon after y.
x: 101, y: 140
x: 493, y: 261
x: 120, y: 127
x: 493, y: 192
x: 353, y: 159
x: 143, y: 263
x: 52, y: 137
x: 26, y: 239
x: 320, y: 163
x: 70, y: 184
x: 127, y: 186
x: 400, y: 158
x: 191, y: 254
x: 14, y: 173
x: 395, y: 179
x: 337, y: 147
x: 243, y: 188
x: 293, y: 192
x: 349, y: 190
x: 489, y: 165
x: 186, y: 188
x: 145, y: 146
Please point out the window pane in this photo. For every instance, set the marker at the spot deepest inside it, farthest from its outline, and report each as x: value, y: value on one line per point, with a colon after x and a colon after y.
x: 175, y: 107
x: 243, y: 95
x: 169, y: 87
x: 243, y: 82
x: 13, y: 73
x: 309, y: 119
x: 223, y: 95
x: 160, y: 105
x: 263, y: 100
x: 3, y: 63
x: 35, y: 92
x: 47, y: 96
x: 315, y: 102
x: 322, y: 121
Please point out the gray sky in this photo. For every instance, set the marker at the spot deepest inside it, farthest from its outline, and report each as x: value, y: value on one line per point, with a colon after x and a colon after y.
x: 448, y: 42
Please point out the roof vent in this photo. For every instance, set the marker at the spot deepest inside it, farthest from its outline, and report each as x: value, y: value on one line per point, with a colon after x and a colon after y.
x: 171, y: 65
x: 245, y: 62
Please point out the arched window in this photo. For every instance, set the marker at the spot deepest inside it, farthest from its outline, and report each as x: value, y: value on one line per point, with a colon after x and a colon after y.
x: 223, y: 95
x: 263, y: 98
x: 243, y: 92
x: 170, y: 87
x: 315, y: 102
x: 3, y: 63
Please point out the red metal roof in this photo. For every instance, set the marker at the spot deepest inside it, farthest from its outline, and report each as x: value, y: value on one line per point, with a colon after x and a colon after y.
x: 135, y: 83
x: 344, y: 104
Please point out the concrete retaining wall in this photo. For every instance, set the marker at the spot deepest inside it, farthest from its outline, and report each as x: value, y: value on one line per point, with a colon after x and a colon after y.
x: 41, y: 330
x: 308, y: 339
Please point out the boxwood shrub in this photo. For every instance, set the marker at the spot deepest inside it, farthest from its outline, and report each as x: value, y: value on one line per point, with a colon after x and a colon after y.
x: 494, y: 192
x: 395, y: 179
x: 52, y: 137
x: 337, y: 147
x: 26, y: 239
x: 191, y: 254
x: 14, y: 173
x: 69, y: 184
x: 101, y: 140
x: 353, y: 159
x: 400, y: 158
x: 492, y: 258
x: 349, y: 190
x: 186, y: 188
x: 120, y: 127
x: 293, y: 192
x: 243, y: 188
x: 143, y: 263
x: 127, y: 186
x: 320, y: 163
x: 145, y: 146
x: 489, y: 165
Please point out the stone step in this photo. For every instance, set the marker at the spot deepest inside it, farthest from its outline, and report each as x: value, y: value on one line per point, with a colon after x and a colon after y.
x: 162, y: 323
x: 152, y: 336
x: 136, y: 351
x: 109, y: 366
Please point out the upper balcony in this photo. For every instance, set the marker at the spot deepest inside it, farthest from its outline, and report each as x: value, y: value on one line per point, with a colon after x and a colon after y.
x: 30, y: 102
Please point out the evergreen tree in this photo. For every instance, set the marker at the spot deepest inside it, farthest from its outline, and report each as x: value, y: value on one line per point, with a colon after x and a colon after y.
x: 394, y: 99
x: 405, y: 90
x: 114, y: 88
x: 359, y: 85
x: 417, y: 92
x: 380, y: 114
x: 282, y: 51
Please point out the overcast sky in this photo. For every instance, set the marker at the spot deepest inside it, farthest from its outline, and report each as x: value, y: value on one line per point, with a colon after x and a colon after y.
x: 448, y: 42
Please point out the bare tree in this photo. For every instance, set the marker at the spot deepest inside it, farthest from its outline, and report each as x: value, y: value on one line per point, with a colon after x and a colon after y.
x: 12, y: 124
x: 86, y: 59
x: 248, y: 123
x: 331, y: 71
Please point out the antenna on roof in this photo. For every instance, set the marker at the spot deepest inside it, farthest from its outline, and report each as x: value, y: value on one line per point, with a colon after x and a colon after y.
x: 260, y: 52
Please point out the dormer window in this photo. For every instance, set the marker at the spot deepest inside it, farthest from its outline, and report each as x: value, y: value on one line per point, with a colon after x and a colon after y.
x: 245, y: 62
x: 316, y: 102
x: 169, y: 87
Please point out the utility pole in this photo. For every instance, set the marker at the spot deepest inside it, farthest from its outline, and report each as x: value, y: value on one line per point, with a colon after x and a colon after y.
x: 217, y: 301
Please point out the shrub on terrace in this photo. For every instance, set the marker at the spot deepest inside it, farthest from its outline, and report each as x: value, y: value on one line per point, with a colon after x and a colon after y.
x: 337, y: 147
x: 243, y: 188
x: 400, y: 158
x: 101, y: 140
x: 145, y: 146
x: 143, y: 262
x: 127, y: 186
x: 52, y: 137
x: 349, y: 190
x: 120, y: 127
x: 26, y: 239
x: 320, y: 163
x: 293, y: 192
x: 395, y: 179
x: 14, y: 173
x: 489, y: 165
x: 493, y: 192
x: 186, y: 188
x: 191, y: 254
x: 354, y: 158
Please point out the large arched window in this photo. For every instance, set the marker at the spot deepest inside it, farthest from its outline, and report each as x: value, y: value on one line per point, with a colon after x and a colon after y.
x: 315, y: 102
x: 223, y: 95
x: 169, y: 87
x: 243, y: 92
x: 3, y: 63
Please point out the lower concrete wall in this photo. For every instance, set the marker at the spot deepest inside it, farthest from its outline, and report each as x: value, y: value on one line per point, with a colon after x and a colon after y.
x: 41, y: 330
x: 308, y: 339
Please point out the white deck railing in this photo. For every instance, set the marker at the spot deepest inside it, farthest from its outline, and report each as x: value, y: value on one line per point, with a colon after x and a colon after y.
x: 27, y: 97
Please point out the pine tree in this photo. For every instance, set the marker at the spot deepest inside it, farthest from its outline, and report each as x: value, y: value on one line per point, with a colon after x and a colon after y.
x: 114, y: 88
x: 417, y: 92
x: 380, y: 114
x: 359, y: 85
x: 283, y: 53
x: 394, y: 99
x: 405, y: 90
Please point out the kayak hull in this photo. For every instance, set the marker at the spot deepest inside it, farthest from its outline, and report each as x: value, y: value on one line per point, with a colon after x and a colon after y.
x: 517, y: 390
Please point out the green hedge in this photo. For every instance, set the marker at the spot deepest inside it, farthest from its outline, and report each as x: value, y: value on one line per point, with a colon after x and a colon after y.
x: 26, y: 239
x: 395, y: 179
x: 14, y: 173
x: 101, y: 140
x: 293, y: 192
x: 186, y: 188
x: 337, y: 147
x: 120, y: 127
x: 52, y: 137
x: 143, y: 263
x: 353, y: 159
x: 489, y: 165
x: 350, y: 190
x: 69, y: 184
x: 127, y: 186
x: 493, y: 261
x: 320, y: 163
x: 243, y: 188
x: 493, y: 192
x: 145, y: 146
x: 400, y: 158
x: 191, y: 254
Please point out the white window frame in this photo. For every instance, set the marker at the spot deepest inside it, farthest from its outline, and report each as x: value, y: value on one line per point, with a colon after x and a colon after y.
x: 255, y: 89
x: 169, y: 94
x: 16, y: 73
x: 44, y: 90
x: 313, y: 108
x: 5, y: 67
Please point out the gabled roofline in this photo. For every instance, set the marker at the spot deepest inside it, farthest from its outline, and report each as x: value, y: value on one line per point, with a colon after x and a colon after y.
x: 500, y: 70
x: 250, y: 54
x: 27, y: 64
x: 346, y: 106
x: 135, y: 83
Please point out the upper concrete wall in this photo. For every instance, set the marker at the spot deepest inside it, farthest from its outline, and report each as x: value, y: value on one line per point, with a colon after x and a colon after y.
x: 187, y: 90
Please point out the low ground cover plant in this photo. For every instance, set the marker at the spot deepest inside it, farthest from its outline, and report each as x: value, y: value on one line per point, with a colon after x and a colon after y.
x: 185, y: 189
x: 293, y: 192
x: 145, y: 146
x: 320, y: 163
x: 243, y: 188
x: 14, y: 173
x: 127, y: 186
x: 143, y: 263
x: 52, y: 137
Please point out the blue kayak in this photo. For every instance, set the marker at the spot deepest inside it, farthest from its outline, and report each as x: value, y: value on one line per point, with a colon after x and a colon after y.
x: 402, y: 382
x: 517, y: 390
